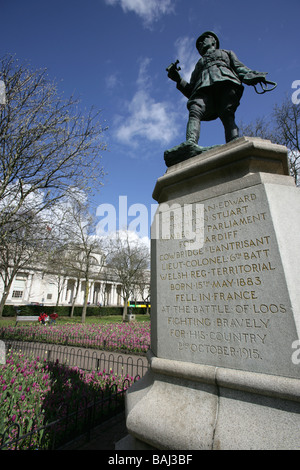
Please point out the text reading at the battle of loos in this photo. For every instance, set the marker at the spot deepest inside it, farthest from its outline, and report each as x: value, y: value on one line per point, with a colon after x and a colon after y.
x: 215, y: 295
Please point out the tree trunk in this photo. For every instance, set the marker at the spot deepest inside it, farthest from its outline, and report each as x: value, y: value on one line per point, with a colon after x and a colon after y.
x: 3, y: 300
x: 125, y: 308
x: 74, y: 298
x: 86, y: 295
x: 58, y: 296
x: 6, y: 289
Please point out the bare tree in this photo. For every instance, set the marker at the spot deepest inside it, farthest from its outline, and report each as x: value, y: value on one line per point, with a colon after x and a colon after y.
x: 84, y: 254
x: 258, y: 128
x: 20, y: 248
x: 143, y: 288
x: 282, y: 128
x: 127, y: 259
x: 287, y: 118
x: 56, y: 265
x: 48, y: 147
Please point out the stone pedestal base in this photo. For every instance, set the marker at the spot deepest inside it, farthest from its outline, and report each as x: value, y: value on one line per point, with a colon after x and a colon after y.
x: 225, y: 315
x: 183, y: 406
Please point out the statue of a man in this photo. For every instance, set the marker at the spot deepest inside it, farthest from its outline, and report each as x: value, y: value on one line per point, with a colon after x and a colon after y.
x: 215, y: 87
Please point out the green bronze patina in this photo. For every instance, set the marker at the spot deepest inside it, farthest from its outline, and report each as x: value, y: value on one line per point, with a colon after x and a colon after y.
x: 214, y: 91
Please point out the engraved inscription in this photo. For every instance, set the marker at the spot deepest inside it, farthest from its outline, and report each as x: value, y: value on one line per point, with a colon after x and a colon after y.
x: 216, y: 301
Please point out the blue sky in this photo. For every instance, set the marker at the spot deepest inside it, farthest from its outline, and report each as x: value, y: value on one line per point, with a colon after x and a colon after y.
x: 113, y: 55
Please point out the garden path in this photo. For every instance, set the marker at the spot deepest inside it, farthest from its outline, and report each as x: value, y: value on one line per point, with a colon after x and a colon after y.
x: 103, y: 437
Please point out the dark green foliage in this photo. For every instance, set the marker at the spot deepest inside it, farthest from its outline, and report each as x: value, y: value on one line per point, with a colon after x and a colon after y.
x: 62, y: 311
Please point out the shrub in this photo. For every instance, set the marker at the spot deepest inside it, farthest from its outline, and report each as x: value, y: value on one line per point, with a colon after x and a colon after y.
x: 61, y: 310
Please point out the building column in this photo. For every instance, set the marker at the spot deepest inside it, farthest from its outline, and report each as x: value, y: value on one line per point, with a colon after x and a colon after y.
x: 113, y: 294
x: 91, y: 292
x: 63, y: 293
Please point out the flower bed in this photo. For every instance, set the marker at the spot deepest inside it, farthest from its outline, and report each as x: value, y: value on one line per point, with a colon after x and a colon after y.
x: 133, y: 337
x: 24, y: 383
x: 34, y: 393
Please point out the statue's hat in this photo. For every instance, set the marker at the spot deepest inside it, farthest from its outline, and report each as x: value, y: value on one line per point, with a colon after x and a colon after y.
x: 208, y: 33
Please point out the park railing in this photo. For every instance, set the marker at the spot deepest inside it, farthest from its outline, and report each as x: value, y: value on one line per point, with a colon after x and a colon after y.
x: 69, y: 425
x: 71, y: 422
x: 85, y: 359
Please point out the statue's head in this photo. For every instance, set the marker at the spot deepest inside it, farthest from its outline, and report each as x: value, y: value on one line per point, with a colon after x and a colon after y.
x: 207, y: 34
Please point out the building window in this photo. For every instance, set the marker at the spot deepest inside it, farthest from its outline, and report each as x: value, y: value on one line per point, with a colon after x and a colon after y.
x: 19, y: 286
x: 17, y: 294
x: 49, y: 296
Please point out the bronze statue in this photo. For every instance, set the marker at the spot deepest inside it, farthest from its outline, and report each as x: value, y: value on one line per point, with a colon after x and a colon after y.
x: 214, y: 91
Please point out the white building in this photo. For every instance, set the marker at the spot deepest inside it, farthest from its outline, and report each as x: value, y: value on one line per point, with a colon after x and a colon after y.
x: 39, y: 285
x: 36, y: 286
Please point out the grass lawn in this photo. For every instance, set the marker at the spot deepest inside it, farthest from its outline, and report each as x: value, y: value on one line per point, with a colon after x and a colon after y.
x: 11, y: 321
x: 94, y: 319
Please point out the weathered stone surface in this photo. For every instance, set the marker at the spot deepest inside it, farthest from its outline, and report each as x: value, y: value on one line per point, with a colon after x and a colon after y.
x: 222, y: 300
x: 185, y: 406
x: 225, y: 309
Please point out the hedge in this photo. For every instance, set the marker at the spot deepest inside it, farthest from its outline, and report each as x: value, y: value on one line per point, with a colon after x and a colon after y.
x: 65, y: 310
x: 61, y: 310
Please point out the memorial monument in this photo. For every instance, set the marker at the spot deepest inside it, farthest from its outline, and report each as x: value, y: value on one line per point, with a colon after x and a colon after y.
x: 225, y: 306
x: 214, y: 91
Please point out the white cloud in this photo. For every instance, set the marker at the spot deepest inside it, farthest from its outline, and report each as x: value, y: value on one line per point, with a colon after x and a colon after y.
x: 146, y: 118
x: 187, y: 55
x: 128, y: 235
x: 148, y: 10
x: 149, y: 119
x: 112, y: 81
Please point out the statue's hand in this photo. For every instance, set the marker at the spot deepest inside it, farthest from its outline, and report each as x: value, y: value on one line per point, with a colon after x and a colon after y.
x: 173, y: 71
x: 174, y: 75
x: 252, y: 78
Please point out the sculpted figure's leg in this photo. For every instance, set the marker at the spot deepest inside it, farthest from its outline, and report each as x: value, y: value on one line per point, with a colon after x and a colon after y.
x: 230, y: 127
x: 194, y: 123
x: 193, y: 130
x: 228, y: 103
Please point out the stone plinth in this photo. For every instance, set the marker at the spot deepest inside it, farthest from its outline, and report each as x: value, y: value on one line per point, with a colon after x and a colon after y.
x: 225, y: 314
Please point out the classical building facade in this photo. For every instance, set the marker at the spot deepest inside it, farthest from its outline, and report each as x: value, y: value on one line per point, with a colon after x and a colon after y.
x: 34, y: 286
x: 42, y: 286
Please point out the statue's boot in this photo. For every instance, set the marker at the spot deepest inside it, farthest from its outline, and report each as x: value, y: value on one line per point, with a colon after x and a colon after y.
x: 230, y: 127
x: 193, y: 131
